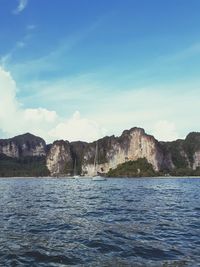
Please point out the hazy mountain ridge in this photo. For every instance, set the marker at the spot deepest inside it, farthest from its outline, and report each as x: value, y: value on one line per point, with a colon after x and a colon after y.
x: 180, y: 157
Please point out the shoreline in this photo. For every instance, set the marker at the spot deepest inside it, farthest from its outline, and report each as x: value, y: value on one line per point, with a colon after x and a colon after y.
x: 89, y: 177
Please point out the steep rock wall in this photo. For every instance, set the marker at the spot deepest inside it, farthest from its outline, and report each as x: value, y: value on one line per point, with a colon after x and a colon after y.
x: 59, y: 158
x: 196, y: 160
x: 26, y: 145
x: 177, y: 157
x: 131, y: 145
x: 112, y: 151
x: 184, y: 153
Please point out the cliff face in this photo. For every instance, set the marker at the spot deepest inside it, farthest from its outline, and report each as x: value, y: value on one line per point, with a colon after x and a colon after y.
x: 184, y: 153
x: 23, y: 155
x: 196, y: 162
x: 23, y: 146
x: 59, y: 158
x: 112, y: 151
x: 131, y: 145
x: 192, y: 149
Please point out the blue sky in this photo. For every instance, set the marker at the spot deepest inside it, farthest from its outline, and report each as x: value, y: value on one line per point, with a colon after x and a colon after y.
x: 84, y: 68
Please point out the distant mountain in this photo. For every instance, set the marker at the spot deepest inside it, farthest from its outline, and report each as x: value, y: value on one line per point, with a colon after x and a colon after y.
x: 28, y: 155
x: 184, y: 154
x: 23, y: 155
x: 23, y: 146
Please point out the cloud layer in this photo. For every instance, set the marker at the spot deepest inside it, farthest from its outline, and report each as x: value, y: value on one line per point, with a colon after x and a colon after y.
x: 77, y: 128
x: 159, y: 110
x: 14, y: 119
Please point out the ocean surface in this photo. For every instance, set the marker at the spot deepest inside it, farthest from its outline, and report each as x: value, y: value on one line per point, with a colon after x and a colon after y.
x: 119, y: 222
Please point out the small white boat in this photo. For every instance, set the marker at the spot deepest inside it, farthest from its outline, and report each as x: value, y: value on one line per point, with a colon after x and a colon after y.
x: 98, y: 178
x: 76, y: 176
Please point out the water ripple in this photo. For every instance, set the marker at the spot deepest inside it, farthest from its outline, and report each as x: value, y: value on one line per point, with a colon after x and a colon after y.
x: 122, y: 222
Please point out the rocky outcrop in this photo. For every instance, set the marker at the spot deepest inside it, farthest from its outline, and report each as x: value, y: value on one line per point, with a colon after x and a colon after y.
x: 112, y: 151
x: 59, y: 159
x: 23, y: 155
x: 131, y: 145
x: 184, y: 153
x: 196, y: 160
x: 180, y: 157
x: 23, y: 146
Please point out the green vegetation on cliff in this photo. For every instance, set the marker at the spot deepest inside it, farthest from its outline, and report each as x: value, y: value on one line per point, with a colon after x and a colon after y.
x: 138, y: 168
x: 26, y: 167
x: 191, y: 145
x: 178, y: 155
x: 182, y: 153
x: 177, y: 158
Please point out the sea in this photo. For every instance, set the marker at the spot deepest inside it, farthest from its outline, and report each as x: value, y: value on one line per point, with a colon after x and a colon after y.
x: 119, y: 222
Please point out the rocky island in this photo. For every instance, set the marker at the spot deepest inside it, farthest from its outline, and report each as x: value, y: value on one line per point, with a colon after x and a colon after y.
x: 133, y: 154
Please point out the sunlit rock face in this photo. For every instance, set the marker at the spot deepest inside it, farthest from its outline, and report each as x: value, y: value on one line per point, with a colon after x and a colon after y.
x: 112, y: 151
x: 9, y: 149
x: 196, y: 160
x: 23, y: 146
x: 131, y: 145
x: 59, y: 158
x: 67, y: 158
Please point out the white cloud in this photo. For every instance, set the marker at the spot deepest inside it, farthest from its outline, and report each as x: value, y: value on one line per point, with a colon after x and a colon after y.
x: 21, y: 6
x: 14, y: 119
x: 177, y: 104
x: 165, y: 131
x: 167, y: 112
x: 40, y: 114
x: 77, y: 128
x: 8, y: 104
x: 146, y: 107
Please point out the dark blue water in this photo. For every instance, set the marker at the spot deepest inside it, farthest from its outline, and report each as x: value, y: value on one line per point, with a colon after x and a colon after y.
x: 120, y: 222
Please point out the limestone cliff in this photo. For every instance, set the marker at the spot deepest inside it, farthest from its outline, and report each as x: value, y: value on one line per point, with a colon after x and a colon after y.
x: 112, y: 151
x: 184, y: 154
x: 23, y: 155
x: 180, y: 157
x: 59, y: 158
x: 196, y: 160
x: 131, y: 145
x: 23, y: 146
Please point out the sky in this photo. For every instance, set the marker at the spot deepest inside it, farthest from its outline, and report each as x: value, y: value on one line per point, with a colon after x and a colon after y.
x: 83, y: 69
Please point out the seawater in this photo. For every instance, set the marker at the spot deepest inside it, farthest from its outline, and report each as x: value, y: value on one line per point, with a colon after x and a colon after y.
x: 119, y: 222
